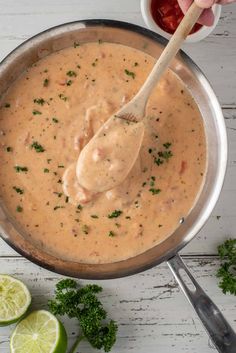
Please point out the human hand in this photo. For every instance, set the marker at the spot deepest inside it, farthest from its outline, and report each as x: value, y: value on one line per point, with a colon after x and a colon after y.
x: 207, y: 17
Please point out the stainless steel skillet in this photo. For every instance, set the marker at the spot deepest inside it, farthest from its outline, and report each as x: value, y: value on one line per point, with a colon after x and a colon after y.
x: 119, y: 32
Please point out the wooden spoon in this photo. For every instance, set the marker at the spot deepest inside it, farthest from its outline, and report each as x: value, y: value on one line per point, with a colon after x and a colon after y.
x: 110, y: 155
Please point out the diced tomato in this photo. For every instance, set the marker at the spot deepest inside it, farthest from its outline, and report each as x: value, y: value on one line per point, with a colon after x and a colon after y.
x: 168, y: 15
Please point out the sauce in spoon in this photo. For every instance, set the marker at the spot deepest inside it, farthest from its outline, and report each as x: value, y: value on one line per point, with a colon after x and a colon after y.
x: 103, y: 162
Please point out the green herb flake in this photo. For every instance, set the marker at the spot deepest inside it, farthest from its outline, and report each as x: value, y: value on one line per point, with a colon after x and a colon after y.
x: 19, y: 169
x: 71, y: 73
x: 62, y: 97
x: 67, y: 199
x: 9, y: 149
x: 85, y: 229
x: 76, y: 44
x: 155, y: 191
x: 158, y: 161
x: 167, y: 145
x: 130, y: 73
x: 57, y: 207
x: 39, y: 101
x: 144, y: 183
x: 79, y: 207
x: 49, y: 160
x: 218, y: 217
x: 115, y: 214
x: 69, y: 82
x: 46, y: 82
x: 60, y: 166
x: 46, y: 170
x: 165, y: 154
x: 38, y: 148
x: 18, y: 190
x: 94, y: 216
x: 7, y: 105
x: 55, y: 120
x: 19, y: 209
x: 36, y: 112
x: 111, y: 234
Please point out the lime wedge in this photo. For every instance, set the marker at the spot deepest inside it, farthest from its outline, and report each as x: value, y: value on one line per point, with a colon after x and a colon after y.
x: 14, y: 300
x: 39, y: 332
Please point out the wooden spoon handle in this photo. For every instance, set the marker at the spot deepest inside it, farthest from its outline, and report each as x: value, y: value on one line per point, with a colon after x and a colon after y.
x: 169, y: 53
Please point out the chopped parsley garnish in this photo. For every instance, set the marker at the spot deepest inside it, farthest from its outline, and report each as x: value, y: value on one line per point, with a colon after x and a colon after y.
x: 152, y: 181
x: 136, y: 64
x: 9, y: 149
x: 115, y: 214
x: 39, y: 101
x: 69, y: 82
x: 7, y: 105
x: 218, y: 217
x: 94, y: 216
x: 85, y: 229
x: 79, y: 207
x: 19, y: 208
x: 155, y: 191
x: 62, y: 97
x: 19, y: 169
x: 158, y: 161
x: 46, y: 82
x: 79, y: 67
x: 130, y: 73
x: 57, y: 207
x: 71, y: 73
x: 46, y: 170
x: 95, y: 62
x: 60, y: 166
x: 55, y: 120
x: 38, y: 148
x: 111, y: 234
x: 59, y: 194
x: 144, y: 183
x: 18, y: 190
x: 165, y: 154
x: 76, y: 44
x: 167, y: 145
x: 49, y: 160
x: 128, y: 217
x: 36, y: 112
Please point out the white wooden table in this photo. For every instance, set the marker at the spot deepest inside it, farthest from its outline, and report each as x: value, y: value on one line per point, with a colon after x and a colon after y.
x: 152, y: 313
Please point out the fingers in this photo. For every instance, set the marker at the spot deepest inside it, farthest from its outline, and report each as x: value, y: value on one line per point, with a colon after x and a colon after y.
x: 207, y: 17
x: 205, y: 4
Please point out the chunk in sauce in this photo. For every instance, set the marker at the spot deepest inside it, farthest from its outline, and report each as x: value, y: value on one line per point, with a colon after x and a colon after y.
x: 48, y: 116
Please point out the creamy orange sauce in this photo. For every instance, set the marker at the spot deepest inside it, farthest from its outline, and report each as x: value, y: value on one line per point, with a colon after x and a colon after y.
x: 47, y: 117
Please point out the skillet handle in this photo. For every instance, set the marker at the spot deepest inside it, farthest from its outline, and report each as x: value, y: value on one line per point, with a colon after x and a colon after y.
x: 218, y: 329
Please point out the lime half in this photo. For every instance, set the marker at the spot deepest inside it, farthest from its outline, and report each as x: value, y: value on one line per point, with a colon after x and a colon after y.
x: 39, y: 332
x: 14, y: 300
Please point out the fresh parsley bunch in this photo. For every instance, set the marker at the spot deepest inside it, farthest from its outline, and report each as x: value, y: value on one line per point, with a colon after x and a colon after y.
x: 82, y: 303
x: 227, y: 270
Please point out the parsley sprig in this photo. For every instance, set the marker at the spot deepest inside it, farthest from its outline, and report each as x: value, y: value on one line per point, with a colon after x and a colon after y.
x: 82, y: 303
x: 227, y: 270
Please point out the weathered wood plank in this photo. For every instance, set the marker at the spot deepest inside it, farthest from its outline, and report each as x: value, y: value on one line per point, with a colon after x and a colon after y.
x: 152, y: 313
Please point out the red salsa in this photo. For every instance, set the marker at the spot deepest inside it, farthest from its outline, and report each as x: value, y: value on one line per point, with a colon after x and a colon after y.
x: 167, y: 14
